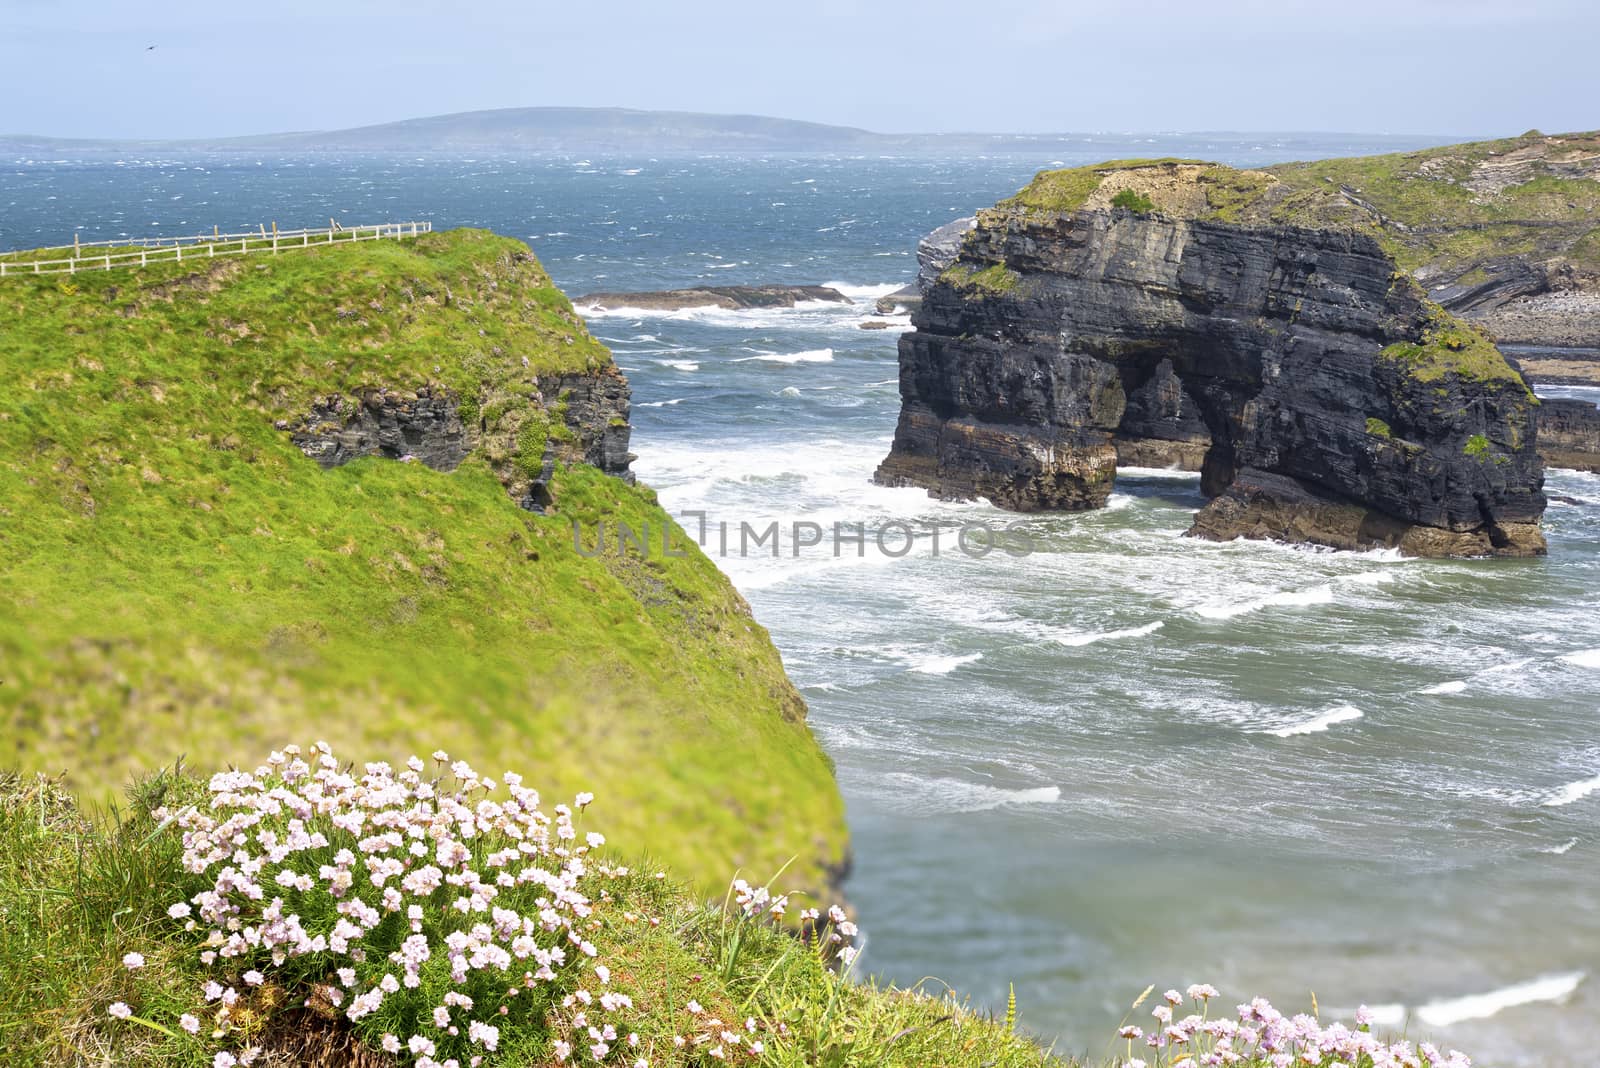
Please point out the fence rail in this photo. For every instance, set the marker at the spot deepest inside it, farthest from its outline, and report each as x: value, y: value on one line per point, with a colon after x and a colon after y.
x: 148, y: 250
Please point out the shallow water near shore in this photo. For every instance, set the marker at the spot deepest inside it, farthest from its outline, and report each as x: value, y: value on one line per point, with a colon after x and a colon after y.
x: 1121, y: 757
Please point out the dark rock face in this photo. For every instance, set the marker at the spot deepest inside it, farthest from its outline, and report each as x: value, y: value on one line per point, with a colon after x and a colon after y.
x: 1569, y: 434
x: 1162, y: 425
x: 733, y: 298
x: 425, y: 426
x: 591, y: 411
x: 1059, y: 336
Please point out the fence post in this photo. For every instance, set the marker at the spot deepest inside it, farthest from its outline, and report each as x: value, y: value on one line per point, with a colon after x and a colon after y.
x: 144, y: 257
x: 179, y: 250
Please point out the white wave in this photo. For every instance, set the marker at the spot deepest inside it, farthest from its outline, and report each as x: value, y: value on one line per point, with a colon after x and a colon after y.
x: 809, y: 356
x: 1287, y: 599
x: 1510, y: 665
x: 956, y: 795
x: 942, y: 665
x: 1111, y: 635
x: 660, y: 403
x: 865, y: 292
x: 1588, y: 658
x: 681, y: 365
x: 789, y: 391
x: 1573, y: 792
x: 1449, y: 1011
x: 1340, y: 714
x: 1559, y: 850
x: 1455, y: 686
x: 1158, y: 472
x: 1373, y: 578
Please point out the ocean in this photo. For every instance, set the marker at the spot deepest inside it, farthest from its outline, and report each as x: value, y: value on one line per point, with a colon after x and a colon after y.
x: 1097, y: 755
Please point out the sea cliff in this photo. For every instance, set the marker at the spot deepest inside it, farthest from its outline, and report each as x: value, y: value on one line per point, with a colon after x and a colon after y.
x: 1138, y: 301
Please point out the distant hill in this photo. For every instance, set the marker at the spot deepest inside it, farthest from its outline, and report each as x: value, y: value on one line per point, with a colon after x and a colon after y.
x: 602, y: 131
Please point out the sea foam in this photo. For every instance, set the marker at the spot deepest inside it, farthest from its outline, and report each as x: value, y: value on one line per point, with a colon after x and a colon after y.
x: 809, y: 356
x: 1572, y: 792
x: 1339, y: 714
x: 1588, y: 658
x: 1449, y: 1011
x: 942, y: 665
x: 1287, y: 599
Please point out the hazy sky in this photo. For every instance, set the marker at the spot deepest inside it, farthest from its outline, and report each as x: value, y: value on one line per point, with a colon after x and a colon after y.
x: 83, y: 68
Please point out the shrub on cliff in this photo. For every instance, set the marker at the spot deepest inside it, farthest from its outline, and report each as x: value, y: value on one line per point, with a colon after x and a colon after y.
x: 1134, y: 201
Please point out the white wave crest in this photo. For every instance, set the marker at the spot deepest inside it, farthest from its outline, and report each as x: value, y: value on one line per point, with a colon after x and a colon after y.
x: 809, y: 356
x: 660, y: 403
x: 1449, y: 1011
x: 1588, y: 658
x: 942, y: 665
x: 1287, y: 599
x: 865, y: 292
x: 956, y: 795
x: 1339, y: 714
x: 1563, y: 848
x: 1572, y: 792
x: 682, y: 365
x: 1110, y: 635
x: 1454, y: 686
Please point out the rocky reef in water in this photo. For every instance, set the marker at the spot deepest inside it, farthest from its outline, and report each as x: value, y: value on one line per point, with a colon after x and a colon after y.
x: 1148, y: 310
x: 731, y: 298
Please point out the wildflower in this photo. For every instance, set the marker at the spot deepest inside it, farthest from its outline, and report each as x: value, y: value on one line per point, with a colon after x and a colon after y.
x: 694, y: 1007
x: 1173, y: 997
x: 190, y: 1023
x: 1201, y: 992
x: 179, y: 911
x: 224, y: 1059
x: 255, y: 978
x: 1130, y: 1032
x: 133, y: 961
x: 119, y: 1010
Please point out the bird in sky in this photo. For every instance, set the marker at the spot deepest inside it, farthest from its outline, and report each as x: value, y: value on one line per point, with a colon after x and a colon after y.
x: 150, y: 48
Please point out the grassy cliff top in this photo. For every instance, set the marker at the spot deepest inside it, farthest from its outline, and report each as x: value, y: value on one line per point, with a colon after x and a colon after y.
x: 177, y: 578
x: 1437, y: 211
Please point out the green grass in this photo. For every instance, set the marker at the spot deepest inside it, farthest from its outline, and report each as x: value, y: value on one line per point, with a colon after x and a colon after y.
x: 177, y: 578
x: 1131, y: 200
x: 1421, y: 206
x: 996, y: 278
x: 1378, y: 428
x: 78, y: 891
x: 1477, y: 445
x: 1452, y: 347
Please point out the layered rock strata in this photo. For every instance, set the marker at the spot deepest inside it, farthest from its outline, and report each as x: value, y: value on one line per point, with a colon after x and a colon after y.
x: 1120, y: 305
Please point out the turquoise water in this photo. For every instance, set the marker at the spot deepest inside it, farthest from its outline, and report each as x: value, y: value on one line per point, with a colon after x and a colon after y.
x: 1123, y: 758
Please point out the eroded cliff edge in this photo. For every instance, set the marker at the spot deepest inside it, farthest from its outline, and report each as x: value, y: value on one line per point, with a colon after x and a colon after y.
x: 1340, y: 406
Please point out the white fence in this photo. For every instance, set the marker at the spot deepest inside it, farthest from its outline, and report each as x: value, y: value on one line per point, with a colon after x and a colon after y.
x: 140, y: 251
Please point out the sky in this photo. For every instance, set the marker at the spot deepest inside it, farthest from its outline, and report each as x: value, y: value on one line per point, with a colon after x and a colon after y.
x: 85, y: 68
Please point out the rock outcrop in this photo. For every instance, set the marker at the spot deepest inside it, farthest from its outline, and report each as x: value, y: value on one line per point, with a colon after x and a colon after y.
x: 1128, y: 308
x: 578, y: 417
x: 1569, y: 434
x: 731, y: 298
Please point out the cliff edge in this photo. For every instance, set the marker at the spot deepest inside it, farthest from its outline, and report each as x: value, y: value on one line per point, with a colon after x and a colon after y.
x: 239, y: 494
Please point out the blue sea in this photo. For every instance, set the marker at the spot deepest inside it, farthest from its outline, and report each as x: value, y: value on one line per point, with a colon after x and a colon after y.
x: 1120, y: 758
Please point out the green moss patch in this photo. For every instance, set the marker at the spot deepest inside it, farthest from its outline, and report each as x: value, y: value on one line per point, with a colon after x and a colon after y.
x: 997, y: 278
x: 1451, y: 346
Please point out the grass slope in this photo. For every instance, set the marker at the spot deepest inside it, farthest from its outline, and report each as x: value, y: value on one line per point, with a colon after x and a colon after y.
x: 78, y: 891
x: 177, y: 578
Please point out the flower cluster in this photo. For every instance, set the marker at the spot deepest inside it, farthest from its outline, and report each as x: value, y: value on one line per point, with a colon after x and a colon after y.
x: 430, y: 914
x: 1262, y: 1036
